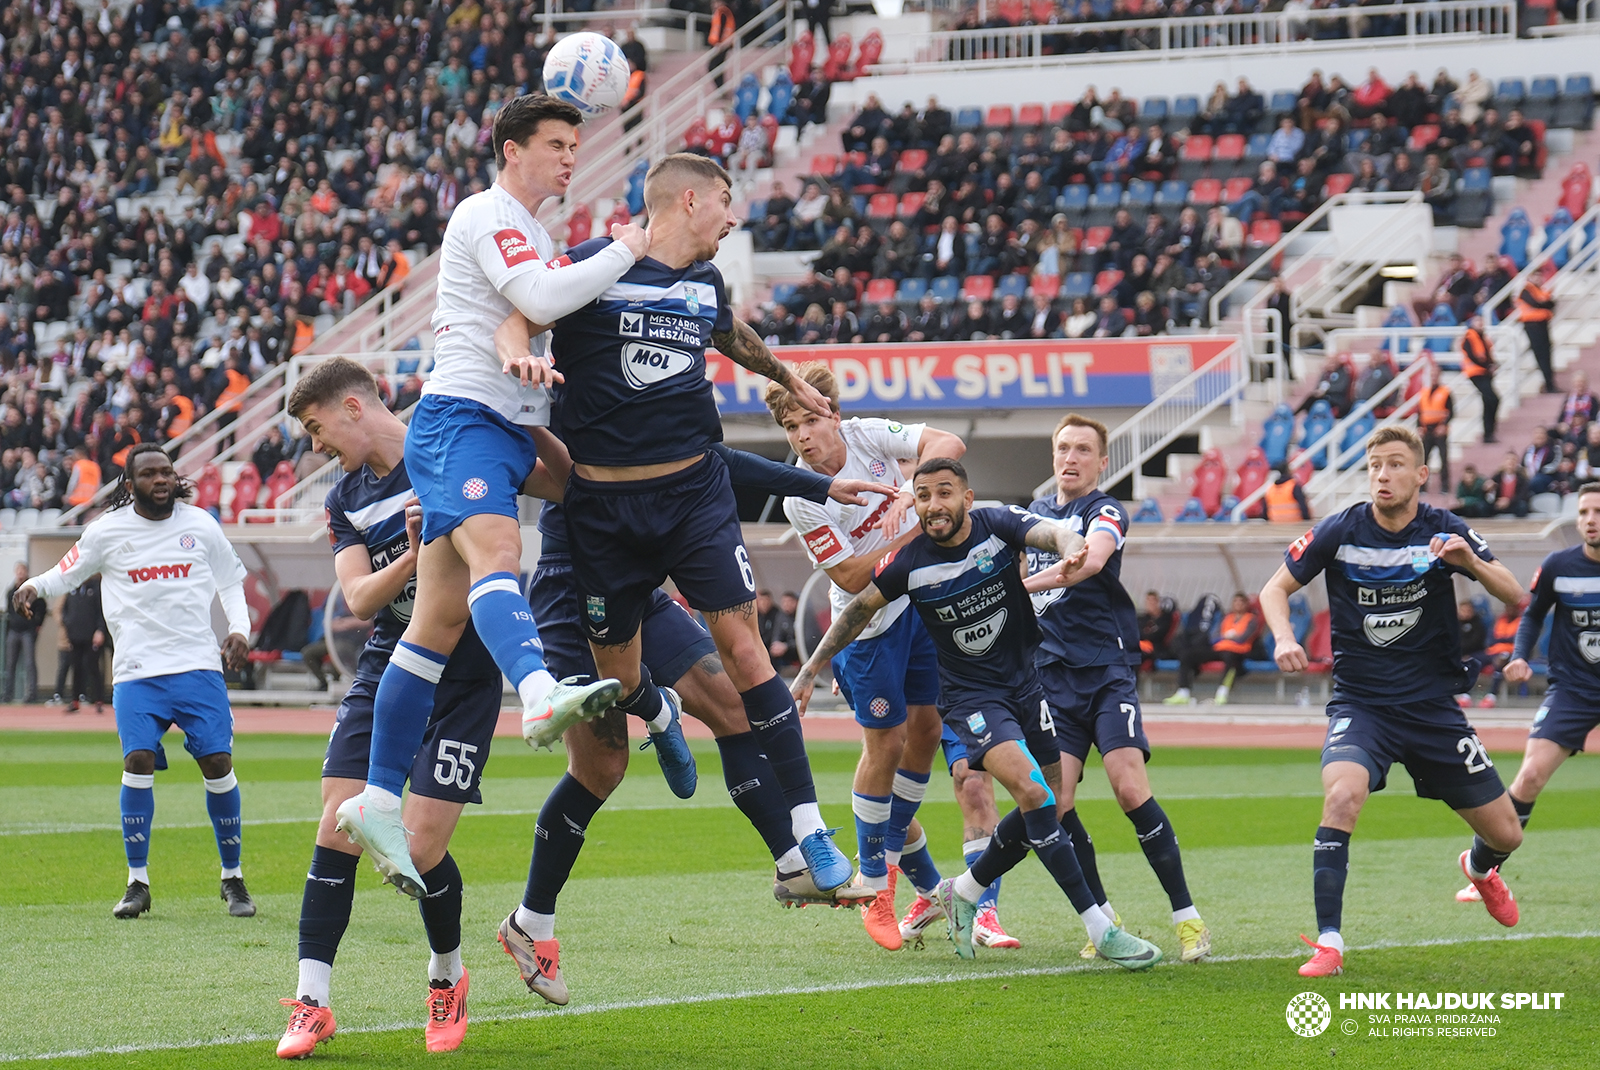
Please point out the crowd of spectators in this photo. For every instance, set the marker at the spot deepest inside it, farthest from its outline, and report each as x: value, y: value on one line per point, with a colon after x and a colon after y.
x: 1562, y: 456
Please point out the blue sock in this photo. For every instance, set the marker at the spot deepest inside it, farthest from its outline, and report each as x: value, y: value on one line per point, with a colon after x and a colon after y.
x: 1083, y: 847
x: 917, y: 864
x: 754, y: 789
x: 973, y: 850
x: 1008, y: 846
x: 872, y: 815
x: 1160, y: 846
x: 138, y: 813
x: 500, y: 614
x: 1050, y: 843
x: 1330, y: 865
x: 222, y: 803
x: 776, y: 724
x: 909, y: 788
x: 400, y: 712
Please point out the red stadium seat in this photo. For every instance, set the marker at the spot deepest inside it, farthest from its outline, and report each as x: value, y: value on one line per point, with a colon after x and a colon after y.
x: 1251, y: 474
x: 912, y: 160
x: 208, y: 487
x: 579, y: 225
x: 1106, y: 281
x: 1575, y: 189
x: 1198, y: 148
x: 1013, y: 11
x: 1043, y: 11
x: 1422, y: 135
x: 800, y: 57
x: 1095, y: 238
x: 882, y: 206
x: 1205, y: 191
x: 879, y: 290
x: 855, y: 159
x: 1236, y: 188
x: 825, y: 164
x: 1337, y: 183
x: 1000, y: 115
x: 1210, y: 480
x: 1030, y: 115
x: 246, y: 489
x: 911, y: 204
x: 978, y: 286
x: 1059, y: 112
x: 1230, y: 148
x: 1046, y: 286
x: 1264, y: 232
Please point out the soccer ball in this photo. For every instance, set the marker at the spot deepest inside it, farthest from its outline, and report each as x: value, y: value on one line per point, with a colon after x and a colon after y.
x: 588, y: 71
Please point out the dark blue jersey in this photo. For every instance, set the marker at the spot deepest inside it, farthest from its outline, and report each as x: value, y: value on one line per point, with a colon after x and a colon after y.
x: 1092, y: 622
x: 367, y: 511
x: 1569, y: 582
x: 1396, y: 639
x: 972, y: 600
x: 635, y: 364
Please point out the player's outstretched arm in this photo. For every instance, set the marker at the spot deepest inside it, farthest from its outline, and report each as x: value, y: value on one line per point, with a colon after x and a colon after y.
x: 1275, y: 608
x: 1059, y: 540
x: 546, y: 292
x: 744, y: 347
x: 1495, y: 577
x: 79, y: 563
x: 846, y: 626
x: 1517, y: 670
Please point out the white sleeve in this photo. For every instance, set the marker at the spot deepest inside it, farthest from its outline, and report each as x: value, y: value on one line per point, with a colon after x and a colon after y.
x: 81, y: 562
x: 235, y: 608
x: 546, y: 292
x: 894, y: 439
x: 825, y: 542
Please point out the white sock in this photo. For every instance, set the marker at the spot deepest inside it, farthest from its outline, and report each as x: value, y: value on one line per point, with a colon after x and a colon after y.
x: 1332, y: 939
x: 537, y: 926
x: 877, y: 884
x: 891, y: 858
x: 663, y: 719
x: 534, y: 688
x: 139, y: 873
x: 805, y: 819
x: 231, y: 871
x: 966, y: 887
x: 1109, y: 911
x: 315, y: 977
x: 381, y: 798
x: 1098, y: 922
x: 792, y: 861
x: 446, y: 967
x: 1186, y: 914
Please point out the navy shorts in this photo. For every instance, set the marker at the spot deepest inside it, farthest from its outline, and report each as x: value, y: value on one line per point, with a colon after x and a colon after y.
x: 1564, y: 721
x: 1097, y: 704
x: 1432, y: 739
x: 881, y: 676
x: 954, y: 750
x: 627, y: 538
x: 196, y: 702
x: 670, y: 644
x: 465, y: 459
x: 455, y: 747
x: 982, y: 721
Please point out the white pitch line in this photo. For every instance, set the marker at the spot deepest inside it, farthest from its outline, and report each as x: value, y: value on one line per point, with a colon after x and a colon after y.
x: 798, y: 990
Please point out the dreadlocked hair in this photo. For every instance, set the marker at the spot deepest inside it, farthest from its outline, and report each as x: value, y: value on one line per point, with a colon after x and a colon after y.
x: 123, y: 495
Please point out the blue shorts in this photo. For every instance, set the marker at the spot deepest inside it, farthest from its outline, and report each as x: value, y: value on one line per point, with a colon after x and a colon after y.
x: 670, y: 644
x: 881, y: 676
x: 627, y: 538
x: 455, y: 747
x: 1098, y: 705
x: 954, y: 750
x: 983, y: 721
x: 1565, y: 721
x: 1431, y: 738
x: 465, y: 459
x: 196, y: 702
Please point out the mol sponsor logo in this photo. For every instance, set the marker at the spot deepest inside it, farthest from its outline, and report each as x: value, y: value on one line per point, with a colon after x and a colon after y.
x: 978, y: 638
x: 644, y: 365
x: 1384, y: 628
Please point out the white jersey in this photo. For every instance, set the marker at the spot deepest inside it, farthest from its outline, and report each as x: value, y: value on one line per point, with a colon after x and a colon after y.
x: 491, y: 238
x: 833, y: 533
x: 157, y: 580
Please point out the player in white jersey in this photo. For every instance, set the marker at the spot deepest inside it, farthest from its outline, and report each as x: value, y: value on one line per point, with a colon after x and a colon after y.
x: 161, y: 562
x: 469, y: 450
x: 890, y: 674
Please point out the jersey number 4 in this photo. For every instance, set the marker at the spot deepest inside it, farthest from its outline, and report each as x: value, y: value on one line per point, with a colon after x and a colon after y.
x: 455, y: 764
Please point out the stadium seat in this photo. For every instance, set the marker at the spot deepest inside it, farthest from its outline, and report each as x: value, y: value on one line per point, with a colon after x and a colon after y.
x: 1074, y: 200
x: 912, y: 160
x: 977, y: 286
x: 1514, y: 235
x: 1356, y: 430
x: 1192, y: 513
x: 1256, y: 148
x: 1000, y: 117
x: 1205, y: 192
x: 1078, y: 284
x: 1059, y: 112
x: 1173, y: 192
x: 1153, y: 110
x: 1030, y: 115
x: 1045, y: 286
x: 1235, y: 188
x: 1106, y: 195
x: 1422, y: 135
x: 1229, y: 148
x: 246, y: 489
x: 1106, y: 281
x: 1185, y: 108
x: 1474, y: 198
x: 968, y: 119
x: 911, y: 204
x: 1284, y: 102
x: 1276, y: 434
x: 1337, y: 183
x: 783, y: 292
x: 1318, y: 422
x: 945, y: 288
x: 208, y: 489
x: 1095, y: 238
x: 1558, y: 236
x: 825, y: 164
x: 1149, y: 513
x: 1509, y: 93
x: 1575, y: 109
x: 1265, y: 232
x: 1575, y: 189
x: 1012, y: 285
x: 1197, y: 149
x: 1209, y: 481
x: 879, y: 290
x: 1224, y: 513
x: 882, y: 206
x: 912, y: 289
x: 1252, y: 472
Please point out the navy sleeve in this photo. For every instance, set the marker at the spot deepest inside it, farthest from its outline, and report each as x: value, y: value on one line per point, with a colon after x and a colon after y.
x: 1454, y: 525
x: 1012, y: 524
x: 1544, y: 596
x: 341, y: 533
x: 1312, y: 552
x: 583, y: 250
x: 754, y: 472
x: 724, y: 322
x: 891, y: 574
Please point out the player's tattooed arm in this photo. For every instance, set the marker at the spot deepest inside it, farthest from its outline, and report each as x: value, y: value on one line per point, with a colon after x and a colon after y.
x: 743, y: 609
x: 1067, y: 545
x: 846, y: 626
x: 744, y: 347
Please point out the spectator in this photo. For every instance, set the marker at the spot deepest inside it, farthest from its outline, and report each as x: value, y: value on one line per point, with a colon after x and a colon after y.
x: 928, y: 323
x: 1588, y: 456
x: 1287, y: 143
x: 1435, y: 409
x: 1479, y: 365
x: 972, y: 323
x: 1285, y: 501
x: 870, y: 122
x: 84, y: 627
x: 1044, y: 321
x: 1437, y: 186
x: 1111, y: 321
x: 777, y: 631
x: 1535, y: 307
x: 772, y: 232
x: 1080, y: 322
x: 946, y: 253
x: 1502, y: 642
x: 1237, y: 634
x: 1157, y: 624
x: 779, y: 327
x: 1509, y: 488
x: 1579, y: 408
x: 817, y: 13
x: 22, y: 629
x: 269, y: 451
x: 1474, y: 636
x: 1539, y: 461
x: 887, y: 324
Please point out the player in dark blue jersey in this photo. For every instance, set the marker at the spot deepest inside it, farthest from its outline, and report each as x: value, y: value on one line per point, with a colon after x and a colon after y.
x: 1390, y: 566
x: 648, y: 498
x: 1088, y: 661
x: 375, y: 539
x: 963, y: 576
x: 678, y: 652
x: 1568, y: 582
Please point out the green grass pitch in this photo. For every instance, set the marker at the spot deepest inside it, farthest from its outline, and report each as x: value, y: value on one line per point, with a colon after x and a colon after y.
x: 678, y: 957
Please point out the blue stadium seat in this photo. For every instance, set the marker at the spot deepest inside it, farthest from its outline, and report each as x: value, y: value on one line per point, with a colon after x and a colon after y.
x: 1514, y: 235
x: 1173, y: 191
x: 1185, y: 108
x: 1153, y: 110
x: 1149, y: 513
x: 1355, y: 138
x: 779, y: 95
x: 1544, y: 89
x: 969, y: 119
x: 945, y: 288
x: 1443, y: 316
x: 783, y: 293
x: 1284, y: 102
x: 1078, y: 284
x: 1192, y: 513
x: 1557, y: 236
x: 1012, y: 285
x: 1399, y: 317
x: 1511, y: 89
x: 1318, y: 422
x: 1106, y: 195
x: 1276, y: 434
x: 1256, y: 147
x: 1575, y: 109
x: 1074, y: 198
x: 1141, y: 194
x: 758, y: 210
x: 1355, y: 430
x: 912, y: 289
x: 1225, y: 508
x: 1476, y: 178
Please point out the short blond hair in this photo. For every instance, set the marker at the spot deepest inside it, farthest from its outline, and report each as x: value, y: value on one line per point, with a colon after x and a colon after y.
x: 1072, y: 419
x: 677, y: 172
x: 779, y: 400
x: 1388, y: 433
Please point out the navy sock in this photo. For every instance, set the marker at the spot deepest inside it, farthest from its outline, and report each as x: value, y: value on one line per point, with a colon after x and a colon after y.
x: 1049, y: 841
x: 222, y: 803
x: 917, y: 864
x: 1484, y: 858
x: 1524, y: 810
x: 441, y: 907
x: 1330, y: 865
x: 325, y: 906
x: 754, y: 789
x: 776, y: 723
x: 645, y: 702
x: 138, y: 812
x: 400, y: 712
x: 500, y: 615
x: 557, y: 839
x: 991, y: 891
x: 1008, y: 846
x: 1160, y: 846
x: 1083, y: 848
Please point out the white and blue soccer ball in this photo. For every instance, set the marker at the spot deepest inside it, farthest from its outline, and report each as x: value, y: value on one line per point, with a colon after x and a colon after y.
x: 588, y: 71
